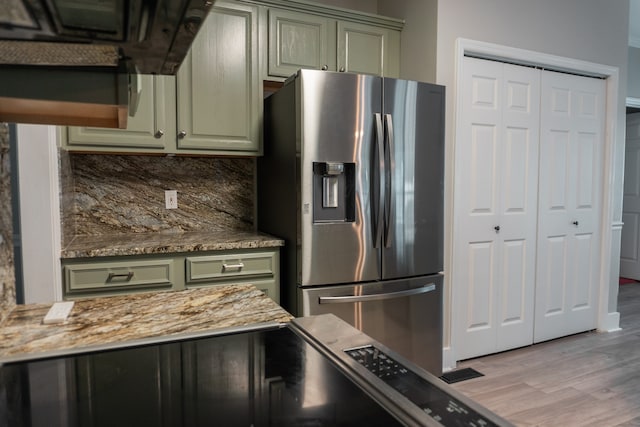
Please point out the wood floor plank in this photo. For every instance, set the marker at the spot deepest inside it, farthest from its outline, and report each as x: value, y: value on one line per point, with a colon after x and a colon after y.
x: 581, y: 380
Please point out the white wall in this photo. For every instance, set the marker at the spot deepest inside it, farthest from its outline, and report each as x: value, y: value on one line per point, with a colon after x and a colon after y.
x: 418, y: 39
x: 367, y: 6
x: 587, y: 30
x: 39, y: 212
x: 633, y: 81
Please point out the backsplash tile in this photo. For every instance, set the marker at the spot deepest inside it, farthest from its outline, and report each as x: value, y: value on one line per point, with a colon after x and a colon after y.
x: 7, y: 274
x: 108, y: 194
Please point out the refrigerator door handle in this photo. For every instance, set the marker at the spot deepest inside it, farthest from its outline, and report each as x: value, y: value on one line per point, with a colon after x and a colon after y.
x: 376, y: 297
x: 389, y: 207
x: 379, y: 187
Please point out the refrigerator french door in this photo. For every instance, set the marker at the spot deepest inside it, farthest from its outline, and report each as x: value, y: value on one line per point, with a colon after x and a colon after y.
x: 352, y: 180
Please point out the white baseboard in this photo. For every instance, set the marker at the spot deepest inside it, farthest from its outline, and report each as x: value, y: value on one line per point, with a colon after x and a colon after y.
x: 611, y: 323
x: 448, y: 360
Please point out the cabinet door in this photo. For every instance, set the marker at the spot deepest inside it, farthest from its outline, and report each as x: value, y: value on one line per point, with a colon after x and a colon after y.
x: 152, y: 128
x: 218, y: 90
x: 298, y: 40
x: 259, y: 268
x: 368, y: 49
x: 131, y: 387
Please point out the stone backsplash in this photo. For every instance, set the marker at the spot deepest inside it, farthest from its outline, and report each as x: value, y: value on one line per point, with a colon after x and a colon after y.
x: 113, y: 194
x: 7, y: 274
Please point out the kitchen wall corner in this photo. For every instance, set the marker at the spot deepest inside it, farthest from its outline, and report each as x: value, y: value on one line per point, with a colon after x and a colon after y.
x: 7, y: 273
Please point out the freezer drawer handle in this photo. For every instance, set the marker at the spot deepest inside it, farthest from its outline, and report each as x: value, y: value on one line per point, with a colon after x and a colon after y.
x: 377, y: 297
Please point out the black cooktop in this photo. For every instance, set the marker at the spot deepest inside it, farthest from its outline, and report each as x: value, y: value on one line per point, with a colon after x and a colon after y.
x: 262, y: 378
x: 316, y: 371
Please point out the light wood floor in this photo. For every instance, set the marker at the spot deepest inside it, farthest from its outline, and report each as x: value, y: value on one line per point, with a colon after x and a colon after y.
x: 590, y: 379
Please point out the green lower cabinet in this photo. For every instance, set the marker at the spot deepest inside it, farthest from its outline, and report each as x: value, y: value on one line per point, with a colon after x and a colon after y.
x: 88, y: 277
x: 260, y: 268
x: 101, y: 276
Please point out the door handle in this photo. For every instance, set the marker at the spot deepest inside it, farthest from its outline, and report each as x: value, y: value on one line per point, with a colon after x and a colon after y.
x: 377, y: 297
x: 390, y: 169
x: 379, y: 167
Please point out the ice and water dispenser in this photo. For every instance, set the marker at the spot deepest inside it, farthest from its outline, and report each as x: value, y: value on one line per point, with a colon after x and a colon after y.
x: 334, y: 192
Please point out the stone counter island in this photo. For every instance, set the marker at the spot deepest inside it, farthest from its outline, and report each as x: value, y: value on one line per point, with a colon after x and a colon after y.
x: 117, y: 319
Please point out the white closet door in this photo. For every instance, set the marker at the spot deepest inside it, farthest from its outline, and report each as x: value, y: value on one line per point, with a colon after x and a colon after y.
x: 630, y: 244
x: 571, y: 141
x: 495, y: 208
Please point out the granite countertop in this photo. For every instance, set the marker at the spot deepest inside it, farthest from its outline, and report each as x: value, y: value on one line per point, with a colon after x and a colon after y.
x: 99, y: 321
x: 82, y: 246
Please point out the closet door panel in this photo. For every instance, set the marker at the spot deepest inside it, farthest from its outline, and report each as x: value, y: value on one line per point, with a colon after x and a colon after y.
x: 495, y: 205
x: 572, y: 137
x: 518, y: 170
x: 552, y: 276
x: 515, y: 296
x: 479, y: 318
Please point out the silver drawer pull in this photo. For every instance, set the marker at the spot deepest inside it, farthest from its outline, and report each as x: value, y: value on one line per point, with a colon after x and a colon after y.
x: 239, y: 266
x: 125, y: 276
x: 376, y: 297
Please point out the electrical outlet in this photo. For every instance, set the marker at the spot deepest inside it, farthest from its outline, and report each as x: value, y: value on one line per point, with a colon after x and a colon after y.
x: 171, y: 199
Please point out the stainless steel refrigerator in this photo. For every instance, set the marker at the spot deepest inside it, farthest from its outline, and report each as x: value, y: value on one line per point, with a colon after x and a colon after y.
x: 352, y: 180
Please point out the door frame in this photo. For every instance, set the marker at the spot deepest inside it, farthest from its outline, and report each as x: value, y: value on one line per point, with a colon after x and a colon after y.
x: 635, y: 103
x: 611, y: 227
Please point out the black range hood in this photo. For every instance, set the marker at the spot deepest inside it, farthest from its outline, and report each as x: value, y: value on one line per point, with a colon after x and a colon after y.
x: 68, y: 61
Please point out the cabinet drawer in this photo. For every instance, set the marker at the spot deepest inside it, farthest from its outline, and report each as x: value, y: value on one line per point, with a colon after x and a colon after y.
x: 110, y: 276
x: 238, y: 268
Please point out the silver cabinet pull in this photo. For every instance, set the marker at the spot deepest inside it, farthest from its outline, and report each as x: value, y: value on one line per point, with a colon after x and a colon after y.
x: 126, y: 276
x: 182, y: 134
x: 159, y: 133
x: 239, y: 266
x: 376, y: 297
x: 325, y: 68
x: 342, y: 70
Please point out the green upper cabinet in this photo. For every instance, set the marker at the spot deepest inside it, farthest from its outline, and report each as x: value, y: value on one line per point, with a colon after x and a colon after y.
x: 302, y: 34
x: 219, y: 92
x: 368, y: 49
x: 299, y: 40
x: 212, y: 106
x: 152, y: 128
